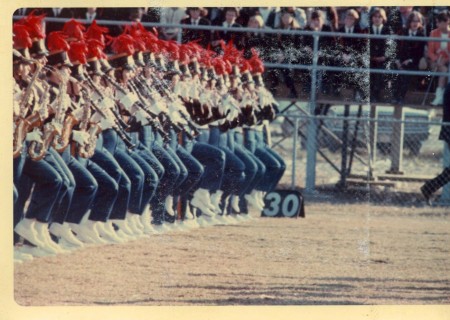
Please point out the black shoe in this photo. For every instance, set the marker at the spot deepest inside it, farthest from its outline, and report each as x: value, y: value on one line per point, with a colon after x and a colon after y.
x: 427, y: 195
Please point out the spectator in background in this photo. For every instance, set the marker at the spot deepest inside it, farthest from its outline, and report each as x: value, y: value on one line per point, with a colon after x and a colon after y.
x: 265, y: 45
x: 215, y: 15
x: 289, y: 48
x: 262, y: 42
x: 171, y: 15
x: 203, y: 37
x: 409, y: 54
x: 229, y: 22
x: 298, y: 14
x: 352, y: 52
x: 398, y: 18
x: 438, y: 53
x: 326, y: 55
x: 378, y: 48
x: 365, y: 14
x: 329, y: 15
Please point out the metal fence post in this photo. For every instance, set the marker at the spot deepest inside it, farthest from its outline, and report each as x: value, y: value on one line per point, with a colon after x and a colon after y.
x: 294, y: 155
x: 311, y: 146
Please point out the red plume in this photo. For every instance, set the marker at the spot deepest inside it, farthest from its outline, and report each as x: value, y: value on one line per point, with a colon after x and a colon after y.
x: 56, y: 41
x: 96, y: 32
x: 95, y: 49
x: 78, y: 51
x: 123, y: 43
x: 136, y: 32
x: 35, y: 25
x: 173, y: 50
x: 21, y: 36
x: 219, y: 65
x: 74, y: 29
x: 185, y: 54
x: 257, y: 65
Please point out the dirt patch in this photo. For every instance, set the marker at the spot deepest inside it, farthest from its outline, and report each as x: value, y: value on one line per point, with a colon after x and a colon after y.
x: 339, y: 254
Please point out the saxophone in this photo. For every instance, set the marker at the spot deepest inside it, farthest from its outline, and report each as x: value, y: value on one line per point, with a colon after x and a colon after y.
x: 38, y: 150
x: 62, y: 140
x: 87, y: 150
x: 22, y: 125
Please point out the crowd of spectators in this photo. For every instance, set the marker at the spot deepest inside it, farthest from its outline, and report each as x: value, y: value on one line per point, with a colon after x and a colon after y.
x: 297, y: 49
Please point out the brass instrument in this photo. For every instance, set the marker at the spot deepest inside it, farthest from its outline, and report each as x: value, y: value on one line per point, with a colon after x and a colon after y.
x: 61, y: 141
x: 87, y: 150
x: 22, y: 125
x: 36, y: 150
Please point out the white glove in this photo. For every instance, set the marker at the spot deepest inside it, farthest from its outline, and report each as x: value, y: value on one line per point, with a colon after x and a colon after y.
x: 35, y: 135
x: 141, y: 116
x: 80, y: 137
x: 106, y: 123
x: 127, y: 100
x: 78, y: 113
x: 57, y: 126
x: 105, y: 103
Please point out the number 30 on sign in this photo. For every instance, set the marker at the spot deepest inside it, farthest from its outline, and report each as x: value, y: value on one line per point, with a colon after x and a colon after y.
x: 283, y: 203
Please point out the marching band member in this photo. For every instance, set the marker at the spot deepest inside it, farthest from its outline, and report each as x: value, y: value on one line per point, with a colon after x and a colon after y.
x: 110, y: 149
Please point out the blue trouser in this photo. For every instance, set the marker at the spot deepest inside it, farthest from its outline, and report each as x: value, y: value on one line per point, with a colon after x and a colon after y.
x: 261, y: 168
x: 64, y: 199
x: 212, y: 159
x: 18, y: 164
x: 47, y: 184
x: 107, y: 162
x: 183, y: 170
x: 234, y: 168
x: 274, y: 167
x: 107, y: 191
x: 261, y: 141
x: 195, y: 172
x: 168, y: 181
x: 85, y: 191
x: 151, y: 181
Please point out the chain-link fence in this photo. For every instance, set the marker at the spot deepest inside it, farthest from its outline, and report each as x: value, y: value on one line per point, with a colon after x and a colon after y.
x: 363, y: 150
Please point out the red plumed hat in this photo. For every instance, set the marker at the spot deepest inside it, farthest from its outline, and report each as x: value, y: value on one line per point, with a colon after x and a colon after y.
x: 96, y: 32
x: 74, y: 30
x: 137, y: 32
x: 123, y: 45
x: 244, y: 65
x: 95, y: 49
x: 77, y: 52
x: 35, y: 25
x: 21, y: 37
x: 256, y: 64
x: 57, y: 41
x: 57, y: 44
x: 185, y: 54
x: 219, y: 65
x: 173, y: 50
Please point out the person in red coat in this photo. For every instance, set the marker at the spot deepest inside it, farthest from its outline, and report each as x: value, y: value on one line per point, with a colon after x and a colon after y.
x: 438, y: 53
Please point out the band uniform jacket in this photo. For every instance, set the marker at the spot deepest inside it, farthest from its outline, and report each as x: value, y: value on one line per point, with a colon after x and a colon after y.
x: 202, y: 36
